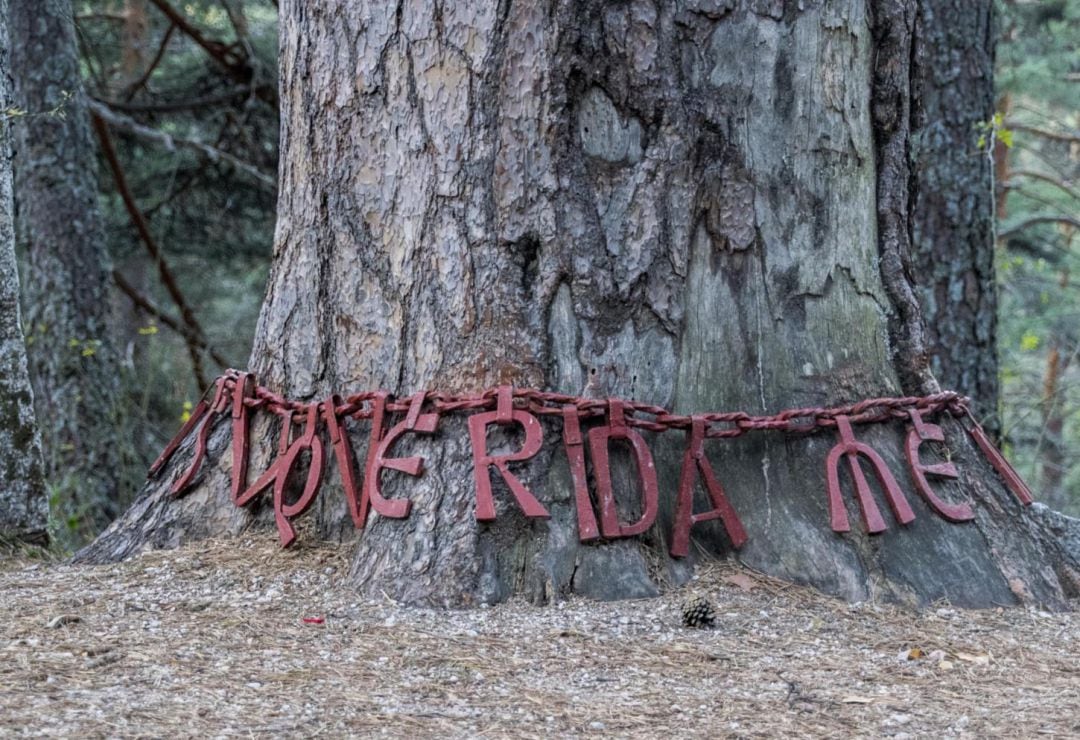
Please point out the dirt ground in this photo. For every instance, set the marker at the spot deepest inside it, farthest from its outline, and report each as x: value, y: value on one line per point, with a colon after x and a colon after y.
x: 238, y: 638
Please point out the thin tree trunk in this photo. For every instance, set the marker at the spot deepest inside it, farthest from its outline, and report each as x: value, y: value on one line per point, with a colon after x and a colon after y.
x: 1052, y: 441
x: 1052, y: 462
x: 72, y: 360
x: 952, y: 214
x: 675, y: 203
x: 24, y: 505
x: 136, y: 40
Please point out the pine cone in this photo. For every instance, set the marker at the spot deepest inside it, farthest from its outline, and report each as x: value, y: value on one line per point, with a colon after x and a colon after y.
x: 698, y: 613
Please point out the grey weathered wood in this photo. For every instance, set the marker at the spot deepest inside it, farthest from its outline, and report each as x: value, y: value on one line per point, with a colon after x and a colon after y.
x: 73, y: 362
x: 24, y: 506
x: 676, y: 203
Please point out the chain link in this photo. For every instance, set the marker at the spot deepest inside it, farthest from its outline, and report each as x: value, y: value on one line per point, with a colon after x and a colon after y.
x: 649, y: 417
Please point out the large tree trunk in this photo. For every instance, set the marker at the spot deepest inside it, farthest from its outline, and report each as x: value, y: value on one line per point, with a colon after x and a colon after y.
x: 952, y: 217
x: 24, y: 506
x: 73, y: 364
x: 675, y: 203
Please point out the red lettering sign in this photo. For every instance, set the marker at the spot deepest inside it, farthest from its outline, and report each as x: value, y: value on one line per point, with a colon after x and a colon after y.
x: 279, y: 471
x: 575, y: 455
x: 194, y: 418
x: 218, y: 405
x: 343, y: 453
x: 377, y: 460
x: 243, y: 390
x: 238, y: 391
x: 1012, y: 479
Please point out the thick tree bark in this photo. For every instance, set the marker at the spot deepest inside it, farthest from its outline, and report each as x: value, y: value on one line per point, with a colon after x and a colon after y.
x: 952, y: 214
x: 73, y: 364
x: 676, y: 203
x: 24, y: 505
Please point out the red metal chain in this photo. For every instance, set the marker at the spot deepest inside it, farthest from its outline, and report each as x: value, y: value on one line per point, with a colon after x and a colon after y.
x: 545, y: 403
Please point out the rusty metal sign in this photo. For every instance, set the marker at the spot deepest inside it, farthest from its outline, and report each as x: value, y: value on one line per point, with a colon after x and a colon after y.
x: 601, y: 423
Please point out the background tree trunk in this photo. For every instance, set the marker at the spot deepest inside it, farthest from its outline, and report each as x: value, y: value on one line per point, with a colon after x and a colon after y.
x: 135, y: 37
x: 952, y: 215
x: 73, y: 364
x: 675, y: 203
x: 24, y: 505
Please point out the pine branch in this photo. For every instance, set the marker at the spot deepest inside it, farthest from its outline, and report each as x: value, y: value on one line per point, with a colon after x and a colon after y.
x: 1066, y: 136
x: 1036, y: 175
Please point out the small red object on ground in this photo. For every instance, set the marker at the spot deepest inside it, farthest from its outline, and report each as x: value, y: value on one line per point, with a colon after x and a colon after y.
x: 313, y: 620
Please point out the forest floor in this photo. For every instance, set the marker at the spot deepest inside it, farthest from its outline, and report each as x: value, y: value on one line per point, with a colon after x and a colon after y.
x: 238, y: 638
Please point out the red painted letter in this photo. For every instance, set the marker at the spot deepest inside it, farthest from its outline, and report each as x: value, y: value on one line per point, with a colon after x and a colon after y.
x: 244, y: 389
x: 478, y: 423
x: 694, y: 460
x: 1012, y: 479
x: 851, y: 448
x: 599, y: 437
x: 210, y: 413
x: 343, y: 453
x: 414, y: 422
x: 279, y: 471
x: 575, y: 455
x: 920, y: 432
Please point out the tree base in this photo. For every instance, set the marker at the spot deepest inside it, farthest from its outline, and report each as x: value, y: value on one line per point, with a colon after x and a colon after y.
x: 440, y: 556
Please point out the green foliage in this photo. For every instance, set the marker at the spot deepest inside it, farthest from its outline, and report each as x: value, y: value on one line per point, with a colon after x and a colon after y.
x: 993, y: 131
x: 1037, y: 52
x: 1038, y: 80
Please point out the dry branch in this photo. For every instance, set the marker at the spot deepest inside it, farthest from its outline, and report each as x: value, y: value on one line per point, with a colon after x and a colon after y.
x: 138, y: 220
x: 173, y: 106
x: 133, y: 127
x: 237, y: 67
x: 137, y: 84
x: 1034, y: 220
x: 144, y: 304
